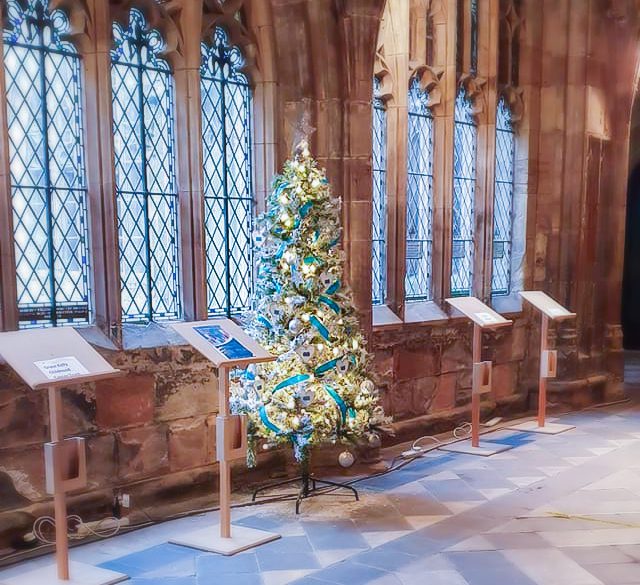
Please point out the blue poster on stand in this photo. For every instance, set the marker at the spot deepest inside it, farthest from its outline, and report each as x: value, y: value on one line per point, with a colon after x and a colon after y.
x: 228, y: 346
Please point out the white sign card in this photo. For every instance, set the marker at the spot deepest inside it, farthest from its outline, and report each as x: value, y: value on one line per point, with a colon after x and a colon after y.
x: 486, y: 317
x: 62, y: 367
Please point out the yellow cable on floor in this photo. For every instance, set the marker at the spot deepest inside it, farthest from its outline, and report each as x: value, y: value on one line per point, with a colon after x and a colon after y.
x: 564, y: 516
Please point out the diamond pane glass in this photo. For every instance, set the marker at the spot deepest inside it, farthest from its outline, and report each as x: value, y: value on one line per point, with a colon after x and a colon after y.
x: 503, y: 203
x: 228, y: 190
x: 48, y: 188
x: 379, y: 224
x: 419, y: 196
x: 464, y: 184
x: 145, y: 174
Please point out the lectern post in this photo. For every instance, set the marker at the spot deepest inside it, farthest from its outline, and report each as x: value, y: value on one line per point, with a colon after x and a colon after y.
x: 53, y: 359
x: 227, y: 346
x: 550, y: 310
x: 482, y: 317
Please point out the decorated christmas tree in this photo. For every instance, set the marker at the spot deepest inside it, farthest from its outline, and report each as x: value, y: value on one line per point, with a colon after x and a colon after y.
x: 318, y: 390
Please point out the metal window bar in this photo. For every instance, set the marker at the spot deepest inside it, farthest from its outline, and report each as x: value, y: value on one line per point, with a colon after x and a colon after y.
x: 464, y: 184
x: 379, y: 200
x: 146, y: 191
x: 419, y: 228
x: 228, y: 189
x: 503, y: 201
x: 47, y: 168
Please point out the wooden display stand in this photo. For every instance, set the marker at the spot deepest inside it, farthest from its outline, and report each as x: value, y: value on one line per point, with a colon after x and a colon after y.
x: 483, y: 318
x: 52, y: 359
x: 227, y: 346
x: 550, y: 310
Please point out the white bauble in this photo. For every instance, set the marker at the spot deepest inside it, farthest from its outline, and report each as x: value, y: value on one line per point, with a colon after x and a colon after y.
x: 306, y: 353
x: 295, y: 325
x: 346, y: 459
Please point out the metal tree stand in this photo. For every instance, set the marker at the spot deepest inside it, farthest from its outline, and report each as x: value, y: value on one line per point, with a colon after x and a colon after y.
x: 310, y: 486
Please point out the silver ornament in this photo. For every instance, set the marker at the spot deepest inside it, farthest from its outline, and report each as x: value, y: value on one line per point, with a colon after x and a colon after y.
x: 346, y: 459
x: 295, y: 325
x: 343, y: 365
x: 306, y: 353
x: 306, y: 396
x: 327, y: 279
x: 367, y: 387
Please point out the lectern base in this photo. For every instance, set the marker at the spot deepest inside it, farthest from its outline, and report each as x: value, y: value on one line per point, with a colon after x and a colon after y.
x: 209, y: 539
x: 79, y: 574
x: 484, y: 449
x: 548, y: 429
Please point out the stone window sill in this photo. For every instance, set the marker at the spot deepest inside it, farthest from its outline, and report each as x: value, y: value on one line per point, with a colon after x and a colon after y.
x: 149, y: 335
x: 384, y: 318
x: 425, y: 312
x: 507, y: 304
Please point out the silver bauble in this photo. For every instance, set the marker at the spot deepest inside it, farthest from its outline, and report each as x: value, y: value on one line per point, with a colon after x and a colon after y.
x: 295, y: 325
x: 346, y: 459
x: 367, y: 387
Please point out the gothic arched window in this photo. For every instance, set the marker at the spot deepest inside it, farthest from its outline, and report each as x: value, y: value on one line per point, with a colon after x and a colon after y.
x: 379, y: 232
x: 503, y: 202
x: 228, y: 192
x: 48, y: 183
x: 419, y: 231
x: 464, y: 186
x: 146, y: 191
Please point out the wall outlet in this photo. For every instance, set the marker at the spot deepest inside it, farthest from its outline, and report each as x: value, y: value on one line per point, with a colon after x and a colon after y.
x: 125, y: 501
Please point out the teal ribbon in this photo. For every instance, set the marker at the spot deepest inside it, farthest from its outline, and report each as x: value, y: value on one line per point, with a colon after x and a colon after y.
x: 311, y: 260
x: 324, y: 368
x: 291, y: 381
x: 333, y: 288
x: 338, y: 400
x: 330, y: 303
x: 280, y: 251
x: 267, y: 422
x: 322, y: 330
x: 265, y: 322
x: 304, y: 210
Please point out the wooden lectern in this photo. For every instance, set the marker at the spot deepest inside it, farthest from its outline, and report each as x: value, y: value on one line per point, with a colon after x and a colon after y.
x: 52, y: 359
x: 483, y: 318
x: 227, y: 346
x: 550, y: 311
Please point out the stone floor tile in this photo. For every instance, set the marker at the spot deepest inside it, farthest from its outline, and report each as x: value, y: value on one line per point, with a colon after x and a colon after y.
x: 550, y: 567
x: 617, y: 573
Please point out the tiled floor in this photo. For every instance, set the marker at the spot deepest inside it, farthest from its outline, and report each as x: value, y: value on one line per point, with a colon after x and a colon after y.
x: 554, y: 510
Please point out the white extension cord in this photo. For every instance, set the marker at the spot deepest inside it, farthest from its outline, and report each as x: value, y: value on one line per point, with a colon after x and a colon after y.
x: 104, y: 528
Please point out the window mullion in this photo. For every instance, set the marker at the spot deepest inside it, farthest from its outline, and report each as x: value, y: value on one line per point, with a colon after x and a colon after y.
x: 47, y: 180
x: 225, y: 194
x: 145, y: 190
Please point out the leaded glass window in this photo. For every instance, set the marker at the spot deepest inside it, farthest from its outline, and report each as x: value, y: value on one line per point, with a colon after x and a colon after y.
x: 503, y: 202
x: 464, y: 185
x: 379, y: 232
x: 419, y: 236
x: 146, y: 191
x: 228, y: 192
x: 48, y: 184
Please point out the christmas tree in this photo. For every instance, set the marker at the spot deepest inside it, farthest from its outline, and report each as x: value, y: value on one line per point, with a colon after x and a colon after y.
x: 318, y: 390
